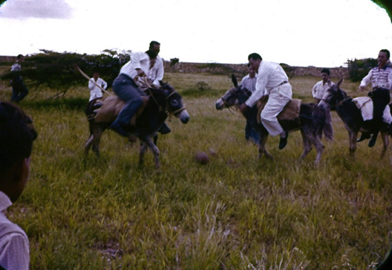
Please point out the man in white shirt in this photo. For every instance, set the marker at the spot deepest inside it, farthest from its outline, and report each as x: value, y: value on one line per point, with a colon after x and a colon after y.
x: 125, y: 87
x: 95, y: 84
x: 249, y: 82
x: 271, y: 81
x: 381, y: 80
x: 322, y: 86
x: 155, y: 73
x: 16, y: 141
x: 19, y: 89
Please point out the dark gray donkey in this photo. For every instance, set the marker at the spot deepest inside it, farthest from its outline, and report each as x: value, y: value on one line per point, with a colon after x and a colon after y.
x: 312, y: 121
x: 350, y: 115
x: 161, y: 103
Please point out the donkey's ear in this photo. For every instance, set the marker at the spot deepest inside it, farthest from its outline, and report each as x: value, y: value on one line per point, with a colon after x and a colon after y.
x: 339, y: 83
x: 234, y: 80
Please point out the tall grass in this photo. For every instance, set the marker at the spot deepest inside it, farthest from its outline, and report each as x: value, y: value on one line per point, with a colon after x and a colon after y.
x: 236, y: 212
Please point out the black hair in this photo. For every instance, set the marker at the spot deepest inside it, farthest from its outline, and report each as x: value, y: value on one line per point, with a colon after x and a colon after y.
x: 153, y: 43
x: 326, y: 70
x: 386, y: 52
x: 20, y: 56
x: 17, y: 134
x: 255, y: 56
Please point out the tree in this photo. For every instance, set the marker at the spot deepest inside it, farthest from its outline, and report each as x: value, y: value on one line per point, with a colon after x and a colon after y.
x: 359, y: 68
x: 385, y: 4
x: 56, y: 70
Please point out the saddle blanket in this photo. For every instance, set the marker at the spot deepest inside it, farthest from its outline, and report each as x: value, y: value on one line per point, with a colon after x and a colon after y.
x: 112, y: 106
x: 365, y: 104
x: 290, y: 111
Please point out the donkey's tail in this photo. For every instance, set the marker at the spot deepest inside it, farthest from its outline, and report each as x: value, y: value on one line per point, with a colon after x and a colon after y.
x: 322, y: 119
x: 328, y: 129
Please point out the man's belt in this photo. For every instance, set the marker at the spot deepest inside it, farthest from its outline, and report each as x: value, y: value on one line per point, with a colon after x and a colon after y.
x: 282, y: 83
x: 380, y: 88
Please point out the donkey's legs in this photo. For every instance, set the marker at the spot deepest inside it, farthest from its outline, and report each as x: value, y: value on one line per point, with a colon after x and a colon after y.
x: 307, y: 144
x: 352, y: 136
x: 319, y: 146
x: 89, y: 141
x: 142, y: 152
x: 262, y: 142
x: 88, y: 144
x: 385, y: 142
x: 97, y: 134
x: 154, y: 149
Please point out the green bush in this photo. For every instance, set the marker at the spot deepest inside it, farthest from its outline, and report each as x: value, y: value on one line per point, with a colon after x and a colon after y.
x: 359, y: 68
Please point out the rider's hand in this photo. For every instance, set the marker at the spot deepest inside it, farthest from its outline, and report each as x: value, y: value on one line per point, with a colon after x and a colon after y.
x: 243, y: 108
x: 140, y: 72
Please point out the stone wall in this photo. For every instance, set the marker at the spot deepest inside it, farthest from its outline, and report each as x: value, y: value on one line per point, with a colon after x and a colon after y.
x: 237, y: 69
x: 241, y: 69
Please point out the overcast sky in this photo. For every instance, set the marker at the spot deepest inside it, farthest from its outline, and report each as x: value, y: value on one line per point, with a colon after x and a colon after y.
x: 296, y: 32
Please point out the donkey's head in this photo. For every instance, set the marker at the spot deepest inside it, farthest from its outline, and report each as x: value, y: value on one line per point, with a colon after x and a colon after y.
x: 234, y: 96
x: 174, y: 103
x: 333, y: 96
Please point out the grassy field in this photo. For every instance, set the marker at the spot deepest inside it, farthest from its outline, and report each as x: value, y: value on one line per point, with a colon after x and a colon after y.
x: 236, y: 212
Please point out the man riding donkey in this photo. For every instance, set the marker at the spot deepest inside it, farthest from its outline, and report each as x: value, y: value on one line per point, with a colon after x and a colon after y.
x: 273, y: 82
x: 127, y: 86
x: 381, y: 80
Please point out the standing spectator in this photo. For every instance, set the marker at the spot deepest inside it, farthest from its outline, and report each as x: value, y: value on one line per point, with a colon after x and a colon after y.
x: 322, y: 86
x: 272, y: 81
x: 19, y: 89
x: 94, y: 85
x: 16, y: 140
x: 381, y: 80
x: 318, y: 92
x: 249, y: 82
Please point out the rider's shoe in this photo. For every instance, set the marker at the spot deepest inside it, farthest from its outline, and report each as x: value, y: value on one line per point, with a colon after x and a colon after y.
x: 119, y: 129
x: 283, y: 141
x: 372, y: 141
x: 164, y: 129
x: 364, y: 136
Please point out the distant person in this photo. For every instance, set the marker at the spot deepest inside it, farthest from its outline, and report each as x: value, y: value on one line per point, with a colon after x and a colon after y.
x: 16, y: 140
x: 380, y: 78
x: 322, y: 86
x: 19, y: 89
x: 125, y: 87
x: 249, y: 82
x: 94, y: 85
x: 271, y: 81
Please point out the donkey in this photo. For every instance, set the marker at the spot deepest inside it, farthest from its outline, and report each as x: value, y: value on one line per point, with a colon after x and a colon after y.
x: 350, y: 115
x: 161, y: 103
x: 311, y: 121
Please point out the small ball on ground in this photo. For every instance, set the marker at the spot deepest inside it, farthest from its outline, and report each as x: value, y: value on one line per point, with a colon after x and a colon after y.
x: 202, y: 157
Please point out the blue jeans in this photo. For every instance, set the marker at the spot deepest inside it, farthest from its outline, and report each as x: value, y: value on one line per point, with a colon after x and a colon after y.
x: 127, y: 90
x: 250, y: 133
x: 19, y: 90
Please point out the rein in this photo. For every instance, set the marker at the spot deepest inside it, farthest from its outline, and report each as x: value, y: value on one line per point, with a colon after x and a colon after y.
x: 167, y: 98
x: 228, y: 107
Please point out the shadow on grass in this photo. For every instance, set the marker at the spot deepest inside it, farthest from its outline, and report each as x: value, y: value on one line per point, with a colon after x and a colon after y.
x: 61, y: 104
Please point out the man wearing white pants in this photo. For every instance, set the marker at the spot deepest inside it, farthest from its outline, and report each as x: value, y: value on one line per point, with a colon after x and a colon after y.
x: 272, y: 81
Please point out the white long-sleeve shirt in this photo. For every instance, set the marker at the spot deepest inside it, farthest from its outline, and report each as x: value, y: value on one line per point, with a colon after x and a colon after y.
x: 14, y: 244
x: 320, y: 88
x: 155, y: 74
x: 95, y: 91
x: 138, y: 60
x: 16, y: 66
x: 378, y: 77
x: 269, y: 76
x: 142, y: 60
x: 249, y: 83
